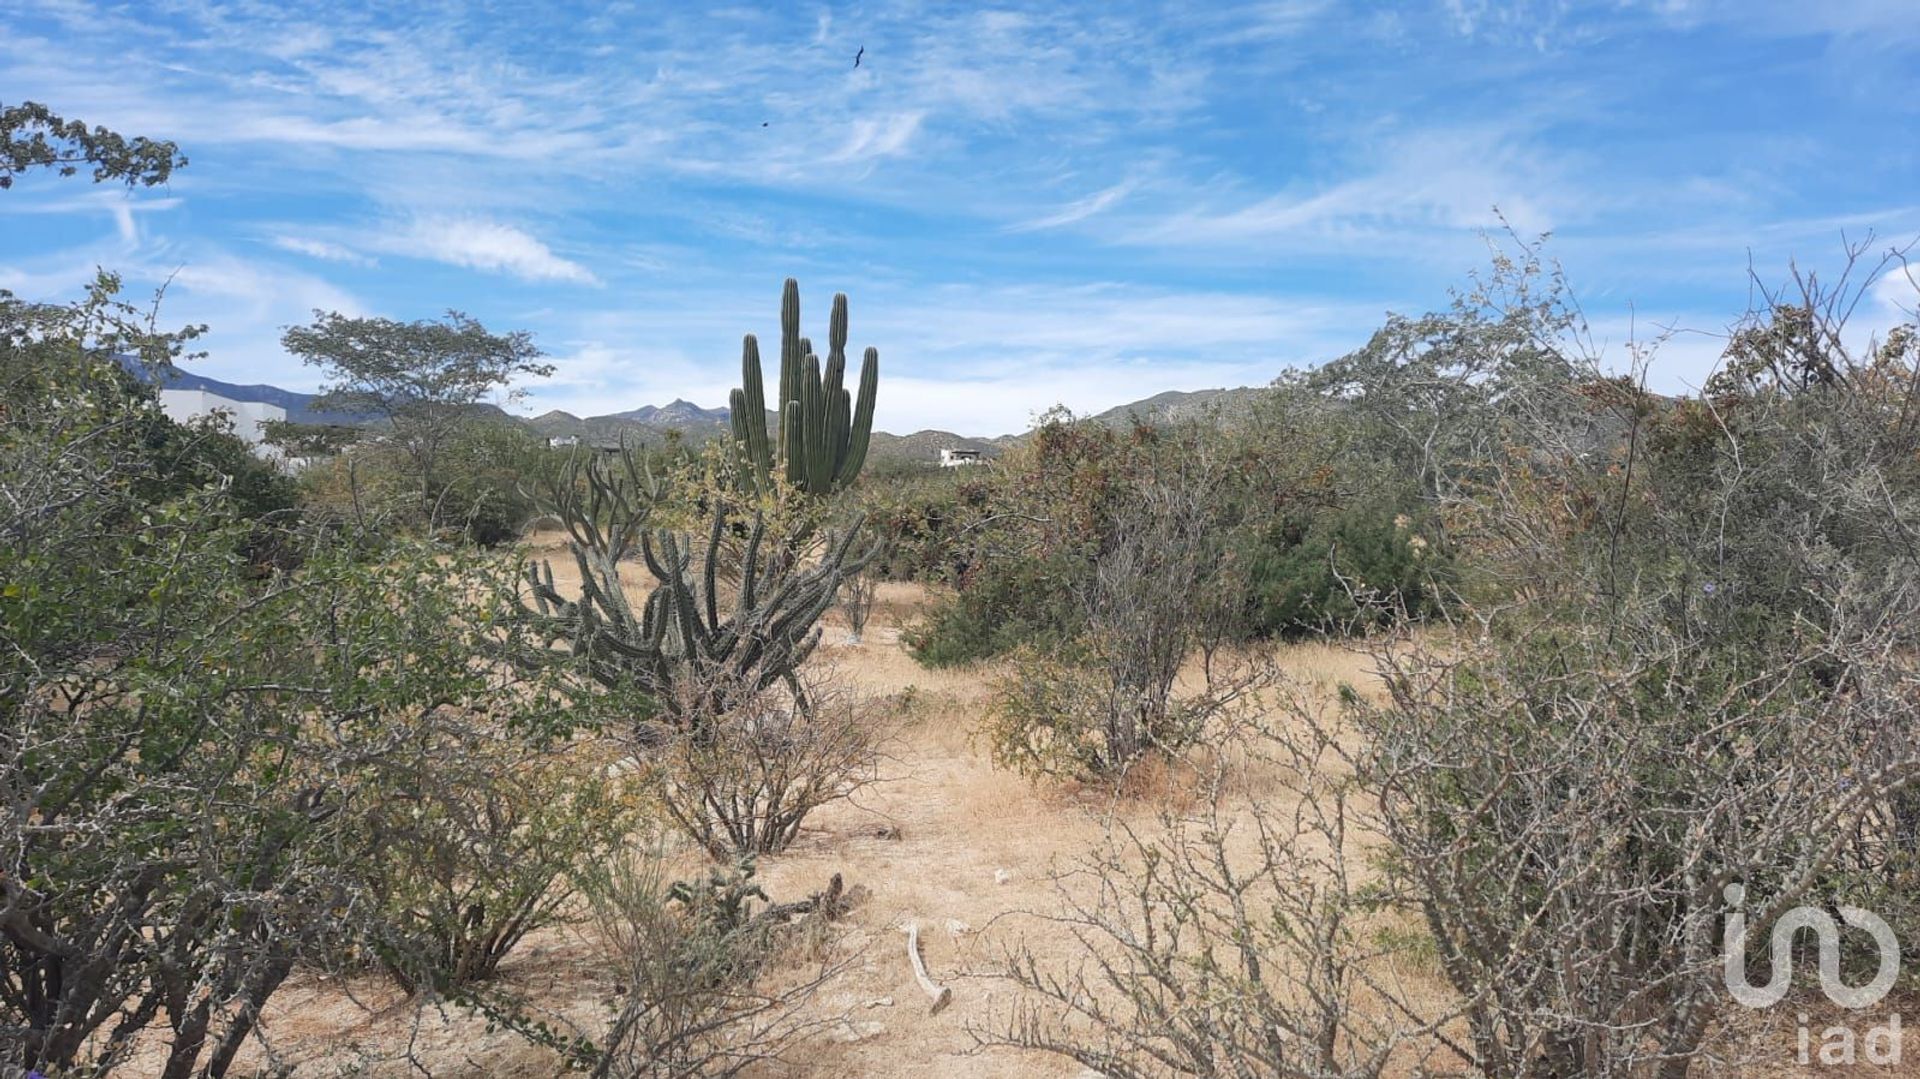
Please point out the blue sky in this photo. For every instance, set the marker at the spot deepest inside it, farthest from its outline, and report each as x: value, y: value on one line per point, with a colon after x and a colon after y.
x: 1078, y: 204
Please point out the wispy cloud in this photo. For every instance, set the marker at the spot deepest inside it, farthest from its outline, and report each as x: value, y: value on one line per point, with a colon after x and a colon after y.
x: 325, y: 250
x: 1077, y: 210
x: 123, y: 208
x: 480, y: 244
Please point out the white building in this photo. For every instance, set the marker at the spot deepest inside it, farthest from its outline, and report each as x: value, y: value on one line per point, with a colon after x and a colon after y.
x: 562, y: 441
x: 249, y: 417
x: 955, y: 458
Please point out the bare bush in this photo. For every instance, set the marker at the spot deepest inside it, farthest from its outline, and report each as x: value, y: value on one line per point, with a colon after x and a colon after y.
x: 856, y: 599
x: 1568, y: 819
x: 1701, y: 676
x: 696, y: 962
x: 746, y: 781
x: 1232, y: 940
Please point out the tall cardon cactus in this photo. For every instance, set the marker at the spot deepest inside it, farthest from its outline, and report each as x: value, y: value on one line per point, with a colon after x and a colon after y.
x: 821, y: 434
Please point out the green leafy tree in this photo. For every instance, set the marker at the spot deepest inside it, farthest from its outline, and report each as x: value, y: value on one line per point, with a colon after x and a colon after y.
x: 427, y: 379
x: 32, y: 136
x: 196, y: 748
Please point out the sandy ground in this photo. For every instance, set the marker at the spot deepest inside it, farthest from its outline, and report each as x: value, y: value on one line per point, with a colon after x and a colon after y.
x: 943, y: 840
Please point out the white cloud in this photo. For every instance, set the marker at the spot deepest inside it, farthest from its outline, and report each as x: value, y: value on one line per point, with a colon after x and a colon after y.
x: 1077, y: 210
x: 1444, y: 179
x: 877, y: 137
x: 123, y: 207
x: 325, y: 250
x: 481, y: 244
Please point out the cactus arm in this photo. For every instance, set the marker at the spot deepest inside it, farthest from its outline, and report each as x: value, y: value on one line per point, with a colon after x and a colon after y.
x: 712, y: 568
x: 838, y: 406
x: 750, y: 572
x: 790, y: 355
x: 860, y: 431
x: 792, y: 426
x: 837, y: 328
x: 750, y: 412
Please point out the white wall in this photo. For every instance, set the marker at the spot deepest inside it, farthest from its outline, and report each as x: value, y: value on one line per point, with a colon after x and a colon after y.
x: 248, y: 416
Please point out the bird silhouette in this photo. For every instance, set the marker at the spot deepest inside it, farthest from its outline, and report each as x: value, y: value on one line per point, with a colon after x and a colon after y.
x: 858, y: 55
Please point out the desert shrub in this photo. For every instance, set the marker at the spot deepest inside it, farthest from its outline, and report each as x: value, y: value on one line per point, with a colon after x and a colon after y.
x: 484, y: 473
x: 694, y: 951
x: 1030, y: 534
x: 139, y: 651
x: 471, y: 841
x: 1001, y: 604
x: 206, y: 451
x: 1346, y: 570
x: 695, y: 962
x: 1065, y: 714
x: 857, y: 596
x: 1227, y: 941
x: 921, y: 520
x: 1038, y: 524
x: 1154, y: 586
x: 1568, y: 814
x: 743, y: 782
x: 366, y: 486
x: 196, y: 741
x: 482, y: 469
x: 1701, y: 676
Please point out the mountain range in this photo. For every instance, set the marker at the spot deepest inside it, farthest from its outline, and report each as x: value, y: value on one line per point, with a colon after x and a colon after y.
x: 694, y: 424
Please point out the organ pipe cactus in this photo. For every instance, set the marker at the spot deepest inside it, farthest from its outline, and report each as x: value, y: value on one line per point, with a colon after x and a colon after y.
x: 822, y: 432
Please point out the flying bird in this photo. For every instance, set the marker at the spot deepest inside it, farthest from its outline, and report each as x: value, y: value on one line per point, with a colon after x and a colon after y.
x: 858, y: 55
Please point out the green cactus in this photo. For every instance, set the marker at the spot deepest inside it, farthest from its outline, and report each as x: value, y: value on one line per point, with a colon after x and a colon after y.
x: 697, y: 646
x: 821, y: 439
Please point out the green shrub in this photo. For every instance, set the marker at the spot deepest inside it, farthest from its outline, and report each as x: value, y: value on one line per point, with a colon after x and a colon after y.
x: 473, y: 837
x: 1000, y: 605
x: 1343, y: 571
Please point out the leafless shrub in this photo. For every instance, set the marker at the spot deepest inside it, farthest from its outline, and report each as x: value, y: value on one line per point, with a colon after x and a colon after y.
x: 857, y: 594
x: 1567, y: 820
x: 744, y: 782
x: 696, y: 962
x: 1701, y: 675
x: 1237, y: 939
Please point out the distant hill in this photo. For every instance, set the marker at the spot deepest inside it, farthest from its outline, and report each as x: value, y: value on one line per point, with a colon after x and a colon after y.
x: 1176, y: 405
x: 684, y: 415
x: 650, y: 424
x: 925, y: 446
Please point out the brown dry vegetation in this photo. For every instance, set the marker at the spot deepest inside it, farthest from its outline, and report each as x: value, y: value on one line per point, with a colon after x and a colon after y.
x: 944, y: 840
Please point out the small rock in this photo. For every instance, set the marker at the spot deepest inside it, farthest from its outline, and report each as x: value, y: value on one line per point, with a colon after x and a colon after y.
x: 957, y: 927
x: 880, y: 1002
x: 887, y: 831
x: 857, y: 1032
x: 1001, y: 876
